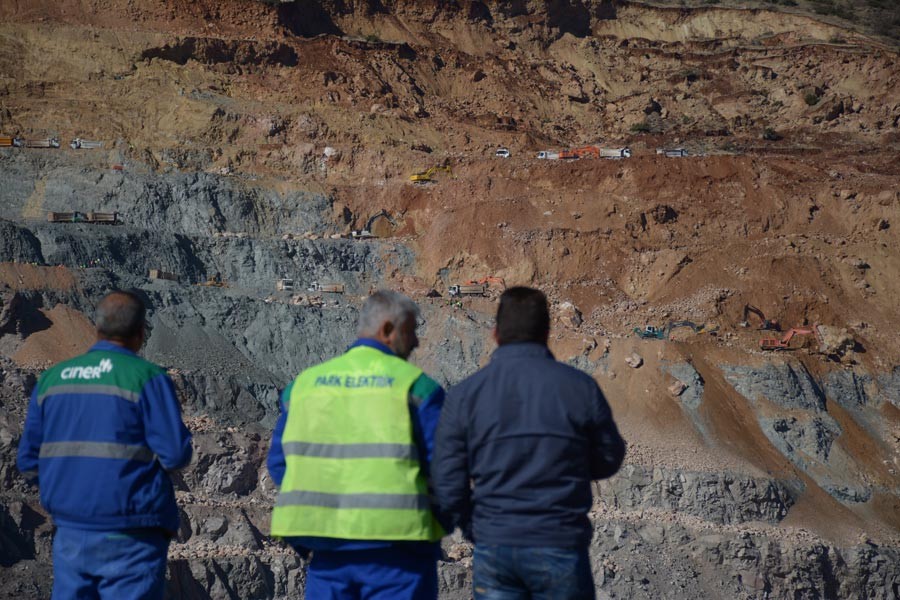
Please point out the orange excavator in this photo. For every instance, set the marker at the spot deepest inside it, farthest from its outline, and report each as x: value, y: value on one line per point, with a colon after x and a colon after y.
x: 765, y: 324
x: 583, y: 152
x: 785, y: 342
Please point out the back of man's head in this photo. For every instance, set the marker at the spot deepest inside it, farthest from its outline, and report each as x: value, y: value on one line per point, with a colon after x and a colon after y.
x: 382, y: 306
x: 120, y: 316
x: 523, y: 316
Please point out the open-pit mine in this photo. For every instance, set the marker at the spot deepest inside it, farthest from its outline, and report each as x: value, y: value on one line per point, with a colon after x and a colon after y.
x: 256, y: 168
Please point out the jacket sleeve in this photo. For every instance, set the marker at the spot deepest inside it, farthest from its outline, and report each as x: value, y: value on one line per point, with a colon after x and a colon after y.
x: 607, y: 447
x: 426, y: 400
x: 32, y: 437
x: 275, y: 461
x: 164, y: 430
x: 450, y: 468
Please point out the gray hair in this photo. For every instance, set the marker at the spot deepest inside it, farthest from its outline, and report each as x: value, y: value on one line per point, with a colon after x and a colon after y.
x: 120, y: 315
x: 384, y: 306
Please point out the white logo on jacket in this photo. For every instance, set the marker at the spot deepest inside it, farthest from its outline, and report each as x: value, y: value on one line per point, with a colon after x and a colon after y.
x: 88, y: 372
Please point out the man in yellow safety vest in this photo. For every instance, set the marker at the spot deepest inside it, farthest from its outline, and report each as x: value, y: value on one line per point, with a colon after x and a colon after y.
x: 351, y: 453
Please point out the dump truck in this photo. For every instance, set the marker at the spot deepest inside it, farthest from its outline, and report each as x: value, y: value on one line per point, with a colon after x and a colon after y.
x: 80, y: 144
x: 326, y: 288
x: 103, y: 218
x: 44, y: 143
x: 66, y: 217
x: 615, y: 152
x: 548, y: 155
x: 284, y: 285
x: 9, y: 142
x: 673, y: 152
x: 467, y: 289
x: 583, y: 152
x: 160, y: 274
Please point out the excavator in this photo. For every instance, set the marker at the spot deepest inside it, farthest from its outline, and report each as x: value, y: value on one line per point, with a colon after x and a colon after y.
x: 766, y: 324
x: 426, y: 176
x: 366, y: 232
x: 215, y: 281
x: 785, y: 342
x: 661, y: 333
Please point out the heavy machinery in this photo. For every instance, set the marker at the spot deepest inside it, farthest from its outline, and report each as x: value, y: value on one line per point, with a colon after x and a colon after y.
x: 160, y: 274
x: 486, y: 286
x: 765, y: 324
x: 8, y: 142
x: 366, y: 232
x: 80, y: 144
x: 672, y: 152
x: 103, y: 218
x: 426, y: 176
x: 44, y: 143
x: 661, y: 333
x: 583, y: 152
x: 80, y: 217
x: 651, y: 333
x: 615, y: 152
x: 284, y: 285
x: 467, y: 289
x: 785, y: 341
x: 326, y: 288
x: 215, y: 281
x: 66, y: 217
x: 548, y: 155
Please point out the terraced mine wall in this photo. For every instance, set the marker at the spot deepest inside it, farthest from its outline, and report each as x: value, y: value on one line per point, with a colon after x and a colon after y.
x: 661, y: 532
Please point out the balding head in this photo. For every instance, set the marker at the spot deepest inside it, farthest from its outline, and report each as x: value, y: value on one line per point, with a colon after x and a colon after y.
x: 120, y: 318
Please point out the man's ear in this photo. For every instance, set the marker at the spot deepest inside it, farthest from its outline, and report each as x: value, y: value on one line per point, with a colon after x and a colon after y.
x: 387, y: 328
x: 496, y: 335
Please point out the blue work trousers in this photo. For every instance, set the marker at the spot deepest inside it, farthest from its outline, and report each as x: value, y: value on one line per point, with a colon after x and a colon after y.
x: 526, y: 573
x: 376, y: 574
x: 114, y: 565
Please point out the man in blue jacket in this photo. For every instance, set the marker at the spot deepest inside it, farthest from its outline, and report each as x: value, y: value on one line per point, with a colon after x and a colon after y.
x: 516, y: 449
x: 102, y: 433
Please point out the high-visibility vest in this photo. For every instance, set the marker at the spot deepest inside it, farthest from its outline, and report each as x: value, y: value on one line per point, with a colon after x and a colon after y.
x: 352, y: 465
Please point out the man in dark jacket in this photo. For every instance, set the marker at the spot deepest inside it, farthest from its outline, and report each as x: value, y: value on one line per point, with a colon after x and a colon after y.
x: 102, y: 432
x: 530, y: 434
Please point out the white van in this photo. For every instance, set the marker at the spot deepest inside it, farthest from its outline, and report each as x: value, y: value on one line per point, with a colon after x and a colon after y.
x: 502, y: 153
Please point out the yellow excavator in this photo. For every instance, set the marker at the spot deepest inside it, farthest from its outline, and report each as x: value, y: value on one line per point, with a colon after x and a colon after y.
x: 426, y: 176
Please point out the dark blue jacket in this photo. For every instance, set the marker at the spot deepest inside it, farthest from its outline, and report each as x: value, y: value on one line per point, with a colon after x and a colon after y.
x: 102, y: 430
x: 530, y: 433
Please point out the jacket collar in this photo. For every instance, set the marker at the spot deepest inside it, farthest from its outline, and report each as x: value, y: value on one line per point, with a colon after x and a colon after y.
x: 105, y: 346
x: 522, y: 350
x: 370, y: 343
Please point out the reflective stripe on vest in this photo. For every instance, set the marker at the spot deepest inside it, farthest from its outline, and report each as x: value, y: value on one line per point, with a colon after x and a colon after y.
x: 352, y: 467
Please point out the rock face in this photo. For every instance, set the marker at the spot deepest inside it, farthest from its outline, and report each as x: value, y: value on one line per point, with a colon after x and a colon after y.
x: 246, y: 159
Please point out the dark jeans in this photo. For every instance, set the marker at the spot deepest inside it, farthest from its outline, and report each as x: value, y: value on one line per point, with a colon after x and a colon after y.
x: 114, y: 565
x: 513, y: 573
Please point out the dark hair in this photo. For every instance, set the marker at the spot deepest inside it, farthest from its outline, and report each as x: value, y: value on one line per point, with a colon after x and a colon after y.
x: 523, y: 316
x: 120, y: 315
